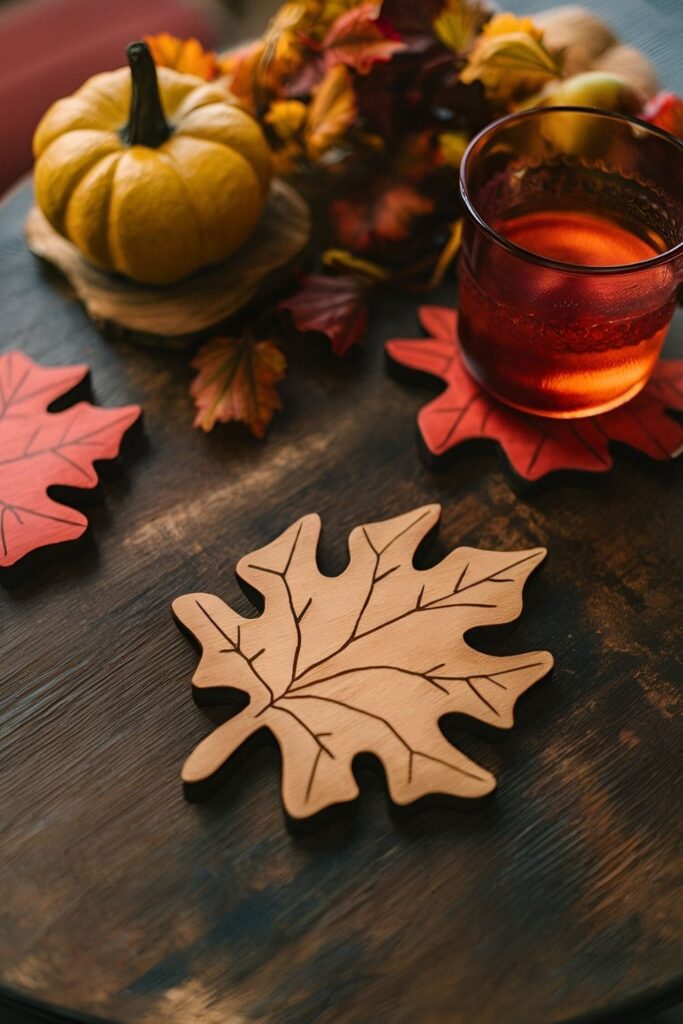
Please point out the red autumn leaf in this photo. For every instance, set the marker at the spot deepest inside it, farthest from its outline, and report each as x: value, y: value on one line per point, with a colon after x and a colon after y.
x: 535, y: 446
x: 360, y: 38
x: 665, y: 111
x: 388, y: 217
x: 40, y: 449
x: 236, y: 381
x: 332, y: 305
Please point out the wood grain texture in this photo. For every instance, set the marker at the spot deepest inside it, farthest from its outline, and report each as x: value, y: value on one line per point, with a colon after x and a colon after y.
x: 190, y: 308
x: 367, y: 662
x: 554, y: 900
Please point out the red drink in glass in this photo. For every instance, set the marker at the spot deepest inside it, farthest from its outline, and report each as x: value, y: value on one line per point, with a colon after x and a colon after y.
x: 572, y: 257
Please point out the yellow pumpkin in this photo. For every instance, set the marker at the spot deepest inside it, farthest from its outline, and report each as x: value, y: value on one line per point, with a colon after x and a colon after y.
x: 151, y: 173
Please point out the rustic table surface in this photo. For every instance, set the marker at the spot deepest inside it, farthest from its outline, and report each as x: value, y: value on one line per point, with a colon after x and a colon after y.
x: 120, y: 901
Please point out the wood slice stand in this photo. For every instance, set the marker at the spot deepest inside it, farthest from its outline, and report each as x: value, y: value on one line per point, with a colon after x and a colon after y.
x: 181, y: 313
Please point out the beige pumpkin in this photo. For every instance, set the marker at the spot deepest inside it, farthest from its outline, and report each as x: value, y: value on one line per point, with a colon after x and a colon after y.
x: 588, y: 44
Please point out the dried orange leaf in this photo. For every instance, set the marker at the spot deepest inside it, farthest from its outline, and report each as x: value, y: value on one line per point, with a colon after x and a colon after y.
x: 185, y: 55
x: 332, y: 110
x: 236, y: 381
x: 262, y: 68
x: 386, y: 217
x: 246, y: 75
x: 229, y: 61
x: 416, y: 156
x: 396, y: 209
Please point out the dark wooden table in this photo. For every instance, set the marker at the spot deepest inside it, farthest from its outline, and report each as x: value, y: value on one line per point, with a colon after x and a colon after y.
x: 556, y: 901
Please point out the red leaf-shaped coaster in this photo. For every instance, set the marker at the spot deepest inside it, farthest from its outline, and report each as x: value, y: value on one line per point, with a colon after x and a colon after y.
x: 535, y: 446
x: 39, y: 449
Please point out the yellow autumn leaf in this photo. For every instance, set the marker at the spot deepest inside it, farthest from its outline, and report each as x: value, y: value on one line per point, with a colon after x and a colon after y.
x: 447, y: 254
x: 458, y: 23
x: 332, y: 110
x: 287, y: 118
x: 285, y: 54
x: 185, y: 55
x: 331, y: 9
x: 452, y: 146
x: 342, y: 259
x: 510, y: 63
x: 506, y: 23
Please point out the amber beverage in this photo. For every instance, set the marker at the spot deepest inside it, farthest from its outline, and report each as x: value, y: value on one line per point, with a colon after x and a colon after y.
x: 572, y: 257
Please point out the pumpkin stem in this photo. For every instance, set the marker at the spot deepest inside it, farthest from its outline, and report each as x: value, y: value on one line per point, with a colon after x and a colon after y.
x: 147, y: 125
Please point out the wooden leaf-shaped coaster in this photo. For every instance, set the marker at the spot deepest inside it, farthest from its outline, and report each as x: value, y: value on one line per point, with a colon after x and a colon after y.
x: 40, y: 449
x: 534, y: 446
x: 368, y: 661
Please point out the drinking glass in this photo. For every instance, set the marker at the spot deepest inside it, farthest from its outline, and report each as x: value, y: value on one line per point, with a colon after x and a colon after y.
x: 572, y: 257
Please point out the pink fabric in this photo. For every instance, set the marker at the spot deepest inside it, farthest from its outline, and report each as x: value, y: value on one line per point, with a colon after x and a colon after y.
x: 50, y: 47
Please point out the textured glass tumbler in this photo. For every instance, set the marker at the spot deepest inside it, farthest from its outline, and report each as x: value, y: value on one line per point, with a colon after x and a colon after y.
x: 572, y: 257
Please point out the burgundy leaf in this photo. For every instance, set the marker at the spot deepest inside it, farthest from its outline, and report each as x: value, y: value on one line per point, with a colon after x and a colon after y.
x: 332, y: 305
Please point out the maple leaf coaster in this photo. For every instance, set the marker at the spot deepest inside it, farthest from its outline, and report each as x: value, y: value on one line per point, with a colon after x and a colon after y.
x: 40, y: 449
x: 365, y: 662
x: 534, y: 445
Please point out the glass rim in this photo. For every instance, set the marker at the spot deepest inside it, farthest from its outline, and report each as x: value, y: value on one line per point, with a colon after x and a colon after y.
x: 546, y: 261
